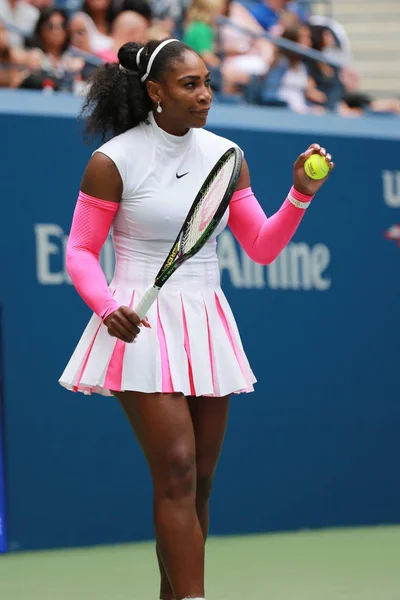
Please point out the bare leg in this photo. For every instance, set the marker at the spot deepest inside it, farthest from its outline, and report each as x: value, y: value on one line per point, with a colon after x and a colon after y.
x: 166, y: 592
x: 163, y: 426
x: 209, y: 417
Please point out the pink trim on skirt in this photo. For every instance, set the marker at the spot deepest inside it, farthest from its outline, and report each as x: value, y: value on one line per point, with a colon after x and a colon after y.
x: 167, y: 385
x: 232, y: 340
x: 186, y: 345
x: 77, y: 385
x: 211, y: 354
x: 113, y: 380
x: 193, y: 349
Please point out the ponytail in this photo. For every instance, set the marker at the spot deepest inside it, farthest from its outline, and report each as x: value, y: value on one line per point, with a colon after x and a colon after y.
x: 117, y: 99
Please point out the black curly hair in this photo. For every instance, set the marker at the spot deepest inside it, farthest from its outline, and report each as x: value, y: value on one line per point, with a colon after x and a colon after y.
x: 117, y: 100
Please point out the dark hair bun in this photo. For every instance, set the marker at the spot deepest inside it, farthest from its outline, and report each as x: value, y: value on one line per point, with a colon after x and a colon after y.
x: 127, y: 55
x: 116, y: 99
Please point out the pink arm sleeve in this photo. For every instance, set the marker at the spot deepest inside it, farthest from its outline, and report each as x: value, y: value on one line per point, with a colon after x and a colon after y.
x: 263, y: 238
x: 90, y: 227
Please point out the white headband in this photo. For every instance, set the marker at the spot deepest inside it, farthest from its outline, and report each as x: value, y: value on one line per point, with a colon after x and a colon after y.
x: 152, y: 58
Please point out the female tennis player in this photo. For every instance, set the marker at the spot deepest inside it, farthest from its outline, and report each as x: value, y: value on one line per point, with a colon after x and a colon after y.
x: 174, y: 383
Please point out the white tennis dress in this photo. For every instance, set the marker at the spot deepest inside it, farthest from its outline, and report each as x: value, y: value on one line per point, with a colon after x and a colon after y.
x: 193, y: 345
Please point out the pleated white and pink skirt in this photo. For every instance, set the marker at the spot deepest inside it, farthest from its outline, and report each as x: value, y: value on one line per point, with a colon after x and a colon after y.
x: 193, y: 346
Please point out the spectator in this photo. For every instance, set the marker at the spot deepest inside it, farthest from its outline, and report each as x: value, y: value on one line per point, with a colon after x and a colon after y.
x: 160, y: 31
x: 288, y: 80
x: 233, y: 56
x: 342, y: 90
x: 326, y: 77
x: 287, y: 19
x: 128, y: 26
x: 20, y: 14
x: 79, y: 27
x: 142, y: 7
x: 51, y: 40
x: 356, y: 104
x: 102, y: 14
x: 85, y: 36
x: 268, y: 12
x: 159, y: 15
x: 12, y: 60
x: 200, y: 30
x: 245, y: 56
x: 82, y: 35
x: 339, y: 44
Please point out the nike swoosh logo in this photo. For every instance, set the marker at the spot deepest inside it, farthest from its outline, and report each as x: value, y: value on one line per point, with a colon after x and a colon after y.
x: 183, y: 175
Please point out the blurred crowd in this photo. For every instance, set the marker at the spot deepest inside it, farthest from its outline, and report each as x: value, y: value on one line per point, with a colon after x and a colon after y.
x: 55, y: 45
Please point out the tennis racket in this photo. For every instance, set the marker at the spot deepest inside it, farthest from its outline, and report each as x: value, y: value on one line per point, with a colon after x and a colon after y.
x: 201, y: 221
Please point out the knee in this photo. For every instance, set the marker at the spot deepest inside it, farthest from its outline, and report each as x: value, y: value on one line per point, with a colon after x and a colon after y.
x: 203, y: 486
x: 178, y: 474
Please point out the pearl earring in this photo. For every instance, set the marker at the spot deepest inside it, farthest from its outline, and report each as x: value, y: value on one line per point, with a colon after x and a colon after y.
x: 159, y: 109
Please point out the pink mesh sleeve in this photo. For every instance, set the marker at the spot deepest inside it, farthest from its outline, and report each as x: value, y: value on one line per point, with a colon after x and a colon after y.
x: 263, y: 238
x: 90, y: 227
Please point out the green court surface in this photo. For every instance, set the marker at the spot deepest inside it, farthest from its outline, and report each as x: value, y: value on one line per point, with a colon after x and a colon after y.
x: 346, y: 564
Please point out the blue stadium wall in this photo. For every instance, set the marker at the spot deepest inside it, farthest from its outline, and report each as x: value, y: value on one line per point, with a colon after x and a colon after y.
x: 317, y: 444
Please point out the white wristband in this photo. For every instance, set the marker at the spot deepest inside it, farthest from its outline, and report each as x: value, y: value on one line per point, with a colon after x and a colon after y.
x: 297, y: 203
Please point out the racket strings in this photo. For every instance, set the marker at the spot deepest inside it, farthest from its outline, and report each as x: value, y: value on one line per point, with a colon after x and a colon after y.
x: 210, y: 201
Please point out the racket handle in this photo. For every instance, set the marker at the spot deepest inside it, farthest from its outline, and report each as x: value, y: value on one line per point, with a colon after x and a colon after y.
x: 147, y: 300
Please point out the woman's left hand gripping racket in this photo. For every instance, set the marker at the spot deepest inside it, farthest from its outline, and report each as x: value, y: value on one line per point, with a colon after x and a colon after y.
x: 202, y: 219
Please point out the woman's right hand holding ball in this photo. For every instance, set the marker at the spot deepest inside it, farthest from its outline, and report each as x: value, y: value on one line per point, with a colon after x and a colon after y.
x: 311, y: 170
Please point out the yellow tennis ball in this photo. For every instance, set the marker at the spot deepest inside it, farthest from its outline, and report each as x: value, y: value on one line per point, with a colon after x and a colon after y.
x: 316, y: 166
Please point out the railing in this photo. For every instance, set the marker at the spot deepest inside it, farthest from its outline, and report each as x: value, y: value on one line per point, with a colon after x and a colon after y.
x: 285, y: 44
x: 278, y: 41
x: 67, y: 81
